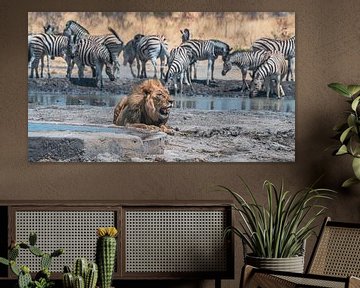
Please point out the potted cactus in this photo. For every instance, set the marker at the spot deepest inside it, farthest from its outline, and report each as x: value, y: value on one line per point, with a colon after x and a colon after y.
x: 106, y: 254
x: 42, y: 278
x: 84, y: 275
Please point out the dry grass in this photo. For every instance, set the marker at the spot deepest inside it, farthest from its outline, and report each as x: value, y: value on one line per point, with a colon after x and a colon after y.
x: 238, y: 29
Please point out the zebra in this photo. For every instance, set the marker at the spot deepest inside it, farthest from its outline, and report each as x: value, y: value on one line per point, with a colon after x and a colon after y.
x: 220, y: 49
x: 32, y: 58
x: 47, y: 44
x: 179, y: 62
x: 185, y: 35
x: 49, y: 29
x: 111, y: 41
x: 129, y: 54
x: 212, y: 53
x: 245, y: 60
x: 93, y: 54
x: 287, y: 47
x: 271, y: 72
x: 151, y: 47
x: 202, y: 50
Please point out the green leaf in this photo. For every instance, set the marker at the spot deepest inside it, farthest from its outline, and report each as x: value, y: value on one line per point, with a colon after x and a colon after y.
x: 36, y: 251
x: 4, y: 261
x: 13, y: 253
x: 345, y: 134
x: 23, y: 245
x: 353, y: 89
x: 280, y: 227
x: 45, y: 261
x: 32, y: 238
x: 354, y: 145
x: 342, y: 150
x: 14, y: 268
x: 356, y: 167
x: 349, y: 182
x: 351, y: 120
x: 340, y: 88
x: 355, y: 103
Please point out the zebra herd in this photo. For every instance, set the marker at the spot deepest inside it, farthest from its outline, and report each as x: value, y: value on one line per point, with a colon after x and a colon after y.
x: 268, y: 59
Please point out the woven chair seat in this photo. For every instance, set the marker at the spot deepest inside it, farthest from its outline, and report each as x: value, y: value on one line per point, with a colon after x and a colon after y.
x: 314, y: 282
x: 335, y: 262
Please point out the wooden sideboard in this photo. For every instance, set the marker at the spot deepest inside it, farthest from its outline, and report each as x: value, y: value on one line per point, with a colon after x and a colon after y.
x: 157, y: 240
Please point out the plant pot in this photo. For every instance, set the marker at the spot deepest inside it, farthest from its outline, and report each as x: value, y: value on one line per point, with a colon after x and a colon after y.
x: 291, y: 264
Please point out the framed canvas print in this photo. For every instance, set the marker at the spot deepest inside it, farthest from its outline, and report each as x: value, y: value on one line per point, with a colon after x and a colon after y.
x: 161, y: 86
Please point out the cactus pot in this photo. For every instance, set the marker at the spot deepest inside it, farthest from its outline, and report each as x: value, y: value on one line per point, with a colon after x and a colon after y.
x: 291, y: 264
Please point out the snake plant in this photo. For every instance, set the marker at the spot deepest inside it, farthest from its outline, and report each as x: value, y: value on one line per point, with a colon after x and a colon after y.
x: 348, y: 132
x: 279, y: 228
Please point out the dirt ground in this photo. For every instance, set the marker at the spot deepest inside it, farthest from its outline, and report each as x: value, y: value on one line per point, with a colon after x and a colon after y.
x: 201, y: 135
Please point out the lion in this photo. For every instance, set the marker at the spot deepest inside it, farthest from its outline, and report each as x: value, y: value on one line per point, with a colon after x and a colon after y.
x: 147, y: 107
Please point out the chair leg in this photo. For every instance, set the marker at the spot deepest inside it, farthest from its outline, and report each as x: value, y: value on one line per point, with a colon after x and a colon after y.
x: 247, y: 272
x: 217, y: 283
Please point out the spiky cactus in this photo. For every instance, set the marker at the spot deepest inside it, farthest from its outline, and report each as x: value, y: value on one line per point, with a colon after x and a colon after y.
x: 91, y: 275
x: 23, y: 273
x: 68, y: 280
x: 106, y: 254
x: 24, y: 280
x: 84, y: 274
x: 81, y: 265
x: 79, y: 282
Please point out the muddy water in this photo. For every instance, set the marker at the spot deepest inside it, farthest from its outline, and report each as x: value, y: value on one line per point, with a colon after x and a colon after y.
x: 184, y: 102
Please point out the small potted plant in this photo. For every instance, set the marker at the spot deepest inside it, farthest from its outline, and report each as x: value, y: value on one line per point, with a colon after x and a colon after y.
x: 42, y: 278
x: 106, y: 254
x: 274, y: 234
x: 84, y: 274
x: 348, y: 132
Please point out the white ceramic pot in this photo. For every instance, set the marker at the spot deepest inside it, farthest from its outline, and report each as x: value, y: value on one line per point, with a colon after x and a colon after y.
x: 291, y: 264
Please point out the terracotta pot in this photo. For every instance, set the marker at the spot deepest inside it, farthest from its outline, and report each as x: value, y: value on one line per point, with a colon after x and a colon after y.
x: 291, y: 264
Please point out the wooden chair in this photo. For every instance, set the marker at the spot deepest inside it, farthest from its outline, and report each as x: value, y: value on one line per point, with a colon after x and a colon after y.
x: 335, y: 262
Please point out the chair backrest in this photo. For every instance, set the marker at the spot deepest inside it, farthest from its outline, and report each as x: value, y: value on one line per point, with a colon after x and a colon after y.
x: 337, y: 251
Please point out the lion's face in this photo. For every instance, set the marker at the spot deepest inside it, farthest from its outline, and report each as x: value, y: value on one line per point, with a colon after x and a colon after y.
x: 148, y: 104
x: 157, y: 102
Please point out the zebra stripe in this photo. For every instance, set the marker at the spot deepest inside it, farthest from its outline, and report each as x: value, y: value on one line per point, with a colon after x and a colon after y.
x: 93, y: 54
x: 220, y: 48
x: 111, y: 41
x: 202, y: 50
x: 287, y: 47
x: 47, y: 44
x: 179, y: 63
x: 74, y: 28
x: 49, y: 29
x: 272, y: 70
x: 150, y: 48
x: 244, y: 60
x: 129, y: 54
